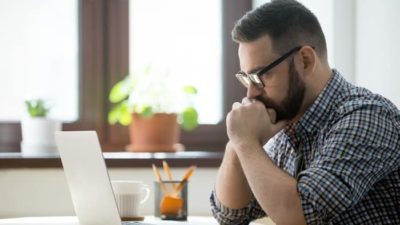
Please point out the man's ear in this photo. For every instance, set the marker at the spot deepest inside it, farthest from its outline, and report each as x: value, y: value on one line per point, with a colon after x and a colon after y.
x: 306, y: 60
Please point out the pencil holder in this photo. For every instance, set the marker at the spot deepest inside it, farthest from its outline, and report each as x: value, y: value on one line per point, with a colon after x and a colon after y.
x: 170, y: 204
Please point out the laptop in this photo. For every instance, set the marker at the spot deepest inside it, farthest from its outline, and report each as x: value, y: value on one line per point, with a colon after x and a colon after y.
x: 88, y: 179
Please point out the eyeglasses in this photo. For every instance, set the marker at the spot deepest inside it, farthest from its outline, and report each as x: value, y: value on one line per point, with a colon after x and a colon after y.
x: 254, y: 78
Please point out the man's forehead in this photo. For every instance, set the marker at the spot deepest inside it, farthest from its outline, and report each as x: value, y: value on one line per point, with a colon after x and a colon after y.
x: 255, y: 54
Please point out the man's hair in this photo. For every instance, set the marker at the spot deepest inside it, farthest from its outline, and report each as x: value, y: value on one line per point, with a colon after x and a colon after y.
x: 287, y: 22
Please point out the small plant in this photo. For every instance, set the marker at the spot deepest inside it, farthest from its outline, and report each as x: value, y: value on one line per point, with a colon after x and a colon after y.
x: 151, y: 93
x: 36, y: 107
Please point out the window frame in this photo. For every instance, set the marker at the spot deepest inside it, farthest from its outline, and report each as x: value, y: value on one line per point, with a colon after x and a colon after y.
x: 104, y: 59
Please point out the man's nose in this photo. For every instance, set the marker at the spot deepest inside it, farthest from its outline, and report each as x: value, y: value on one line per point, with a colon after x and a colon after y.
x: 253, y: 91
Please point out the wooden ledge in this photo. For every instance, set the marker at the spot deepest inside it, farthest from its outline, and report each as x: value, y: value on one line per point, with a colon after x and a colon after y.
x: 117, y: 159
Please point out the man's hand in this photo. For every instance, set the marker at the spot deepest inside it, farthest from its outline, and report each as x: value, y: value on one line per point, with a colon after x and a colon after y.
x: 250, y: 121
x: 250, y: 125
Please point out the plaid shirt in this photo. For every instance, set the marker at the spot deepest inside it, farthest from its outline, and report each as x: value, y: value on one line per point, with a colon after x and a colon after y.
x: 348, y: 143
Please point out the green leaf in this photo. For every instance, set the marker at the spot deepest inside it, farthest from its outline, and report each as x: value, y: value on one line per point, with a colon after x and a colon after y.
x: 121, y: 114
x: 189, y: 118
x: 36, y: 108
x: 113, y: 115
x: 125, y: 119
x: 121, y: 90
x: 191, y: 90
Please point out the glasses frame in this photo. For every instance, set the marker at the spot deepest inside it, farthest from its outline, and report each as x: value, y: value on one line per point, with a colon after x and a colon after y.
x: 255, y: 78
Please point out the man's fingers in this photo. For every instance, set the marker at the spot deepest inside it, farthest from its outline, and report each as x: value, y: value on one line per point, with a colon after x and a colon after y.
x: 236, y: 105
x: 248, y: 100
x: 272, y: 115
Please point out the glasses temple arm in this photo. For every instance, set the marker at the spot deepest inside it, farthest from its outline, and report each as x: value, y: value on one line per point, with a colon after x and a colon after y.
x: 276, y: 62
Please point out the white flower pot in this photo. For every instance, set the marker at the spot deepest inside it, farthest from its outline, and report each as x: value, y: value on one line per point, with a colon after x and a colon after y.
x: 38, y: 135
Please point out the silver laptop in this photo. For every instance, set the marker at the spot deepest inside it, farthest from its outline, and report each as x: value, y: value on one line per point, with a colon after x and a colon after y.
x: 88, y: 179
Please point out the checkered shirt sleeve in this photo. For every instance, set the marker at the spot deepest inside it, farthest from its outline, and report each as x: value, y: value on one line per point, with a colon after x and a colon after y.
x: 243, y: 216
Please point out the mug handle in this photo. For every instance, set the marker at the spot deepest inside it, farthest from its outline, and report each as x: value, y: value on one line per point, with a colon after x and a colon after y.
x: 147, y: 190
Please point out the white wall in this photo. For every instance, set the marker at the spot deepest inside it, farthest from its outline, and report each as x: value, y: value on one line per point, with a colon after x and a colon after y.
x: 344, y: 37
x: 378, y: 47
x: 44, y: 192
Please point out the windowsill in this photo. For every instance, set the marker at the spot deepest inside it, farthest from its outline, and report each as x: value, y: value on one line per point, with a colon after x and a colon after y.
x: 116, y: 159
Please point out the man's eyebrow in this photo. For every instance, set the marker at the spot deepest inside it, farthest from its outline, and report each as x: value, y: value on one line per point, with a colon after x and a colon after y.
x: 253, y: 70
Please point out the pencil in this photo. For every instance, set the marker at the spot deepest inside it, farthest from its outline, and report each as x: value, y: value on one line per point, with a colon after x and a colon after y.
x: 159, y: 179
x: 185, y: 178
x: 168, y: 173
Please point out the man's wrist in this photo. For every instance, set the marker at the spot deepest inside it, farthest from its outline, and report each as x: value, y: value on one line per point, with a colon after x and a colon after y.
x: 249, y: 145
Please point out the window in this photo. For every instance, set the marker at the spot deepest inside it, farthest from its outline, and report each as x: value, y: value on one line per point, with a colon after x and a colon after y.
x: 211, y: 135
x: 103, y: 58
x: 178, y: 36
x: 39, y: 57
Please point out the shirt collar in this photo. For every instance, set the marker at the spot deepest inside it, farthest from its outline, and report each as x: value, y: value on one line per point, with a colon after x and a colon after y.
x: 318, y: 113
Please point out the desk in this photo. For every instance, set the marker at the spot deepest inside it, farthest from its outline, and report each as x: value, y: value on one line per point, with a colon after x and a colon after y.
x: 72, y: 220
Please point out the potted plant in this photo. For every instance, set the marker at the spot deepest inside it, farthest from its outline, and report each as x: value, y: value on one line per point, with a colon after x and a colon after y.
x: 153, y: 104
x: 38, y: 130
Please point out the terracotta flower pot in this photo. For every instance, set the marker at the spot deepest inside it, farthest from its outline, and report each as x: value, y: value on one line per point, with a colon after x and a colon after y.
x: 159, y: 133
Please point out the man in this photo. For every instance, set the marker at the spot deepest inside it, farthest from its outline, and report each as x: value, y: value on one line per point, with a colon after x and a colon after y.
x: 333, y: 150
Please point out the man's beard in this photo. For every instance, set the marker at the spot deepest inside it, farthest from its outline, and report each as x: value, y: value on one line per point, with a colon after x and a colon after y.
x: 290, y: 106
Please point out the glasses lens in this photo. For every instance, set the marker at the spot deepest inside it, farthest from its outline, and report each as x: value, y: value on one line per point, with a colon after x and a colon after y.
x: 243, y: 79
x: 256, y: 80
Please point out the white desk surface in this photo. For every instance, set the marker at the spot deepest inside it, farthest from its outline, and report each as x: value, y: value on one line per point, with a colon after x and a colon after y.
x: 72, y: 220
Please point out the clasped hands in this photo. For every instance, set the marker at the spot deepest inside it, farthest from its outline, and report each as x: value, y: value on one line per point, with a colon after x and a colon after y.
x: 250, y: 122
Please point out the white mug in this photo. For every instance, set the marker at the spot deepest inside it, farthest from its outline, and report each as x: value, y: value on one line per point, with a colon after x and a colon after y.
x: 129, y: 195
